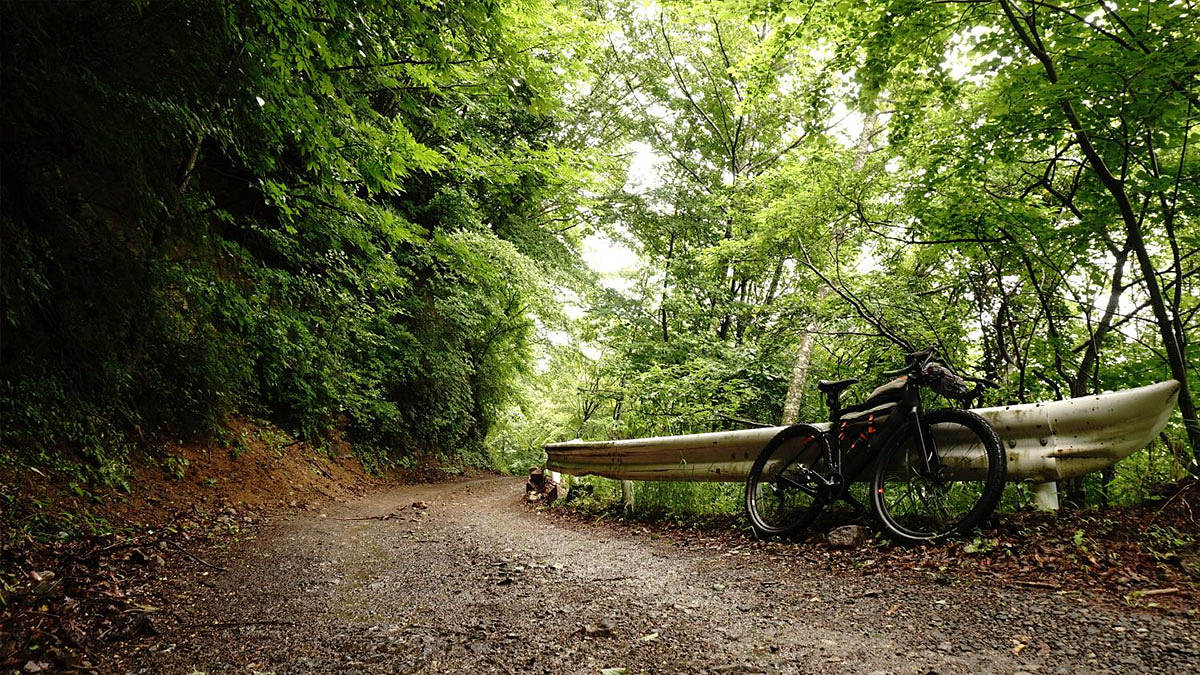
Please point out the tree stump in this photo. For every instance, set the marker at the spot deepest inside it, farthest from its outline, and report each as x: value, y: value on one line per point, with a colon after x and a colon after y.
x: 540, y: 487
x: 537, y: 479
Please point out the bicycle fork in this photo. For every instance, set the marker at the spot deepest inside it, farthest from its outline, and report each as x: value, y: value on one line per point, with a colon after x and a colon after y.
x: 931, y: 464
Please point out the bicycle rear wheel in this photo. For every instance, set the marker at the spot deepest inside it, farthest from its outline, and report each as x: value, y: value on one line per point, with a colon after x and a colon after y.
x: 916, y: 503
x: 780, y: 498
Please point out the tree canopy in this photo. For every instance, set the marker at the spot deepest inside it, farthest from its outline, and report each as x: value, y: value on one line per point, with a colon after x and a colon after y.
x: 368, y: 218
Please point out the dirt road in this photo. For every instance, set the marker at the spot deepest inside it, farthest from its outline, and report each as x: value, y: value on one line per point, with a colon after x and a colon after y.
x: 478, y: 582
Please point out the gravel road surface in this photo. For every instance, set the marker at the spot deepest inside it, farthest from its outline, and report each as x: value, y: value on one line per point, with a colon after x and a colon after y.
x: 463, y: 577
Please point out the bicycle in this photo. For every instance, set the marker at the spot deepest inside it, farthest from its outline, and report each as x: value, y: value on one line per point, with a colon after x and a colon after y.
x: 936, y: 474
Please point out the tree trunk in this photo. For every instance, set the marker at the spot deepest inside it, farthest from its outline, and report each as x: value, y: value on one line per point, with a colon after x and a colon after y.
x: 791, y: 404
x: 662, y: 309
x: 796, y: 386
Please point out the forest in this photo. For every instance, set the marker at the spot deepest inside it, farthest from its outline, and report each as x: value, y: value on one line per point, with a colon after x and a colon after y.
x: 371, y: 221
x: 295, y: 293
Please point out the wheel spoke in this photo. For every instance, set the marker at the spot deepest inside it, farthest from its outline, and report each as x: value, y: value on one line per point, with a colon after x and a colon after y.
x: 780, y: 499
x: 937, y: 502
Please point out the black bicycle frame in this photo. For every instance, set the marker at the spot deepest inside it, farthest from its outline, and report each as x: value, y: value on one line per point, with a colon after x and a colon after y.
x: 909, y: 407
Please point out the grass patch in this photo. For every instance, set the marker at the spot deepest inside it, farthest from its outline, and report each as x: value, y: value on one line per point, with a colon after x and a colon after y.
x: 681, y: 503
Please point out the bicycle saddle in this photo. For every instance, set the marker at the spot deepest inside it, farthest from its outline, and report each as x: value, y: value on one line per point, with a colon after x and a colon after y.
x: 834, y: 386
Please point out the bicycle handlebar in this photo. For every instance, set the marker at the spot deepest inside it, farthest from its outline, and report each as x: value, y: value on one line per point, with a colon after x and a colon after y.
x: 982, y: 381
x: 915, y: 362
x: 911, y: 360
x: 922, y: 355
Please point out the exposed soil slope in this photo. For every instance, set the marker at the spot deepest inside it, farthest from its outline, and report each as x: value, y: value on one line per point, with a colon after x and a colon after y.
x: 77, y: 566
x: 463, y: 577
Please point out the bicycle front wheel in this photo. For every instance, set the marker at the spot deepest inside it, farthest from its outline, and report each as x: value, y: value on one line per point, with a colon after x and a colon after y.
x: 920, y: 499
x: 781, y: 497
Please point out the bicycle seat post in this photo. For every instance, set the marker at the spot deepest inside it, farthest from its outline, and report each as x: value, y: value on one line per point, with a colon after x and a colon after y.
x: 833, y: 391
x: 833, y: 400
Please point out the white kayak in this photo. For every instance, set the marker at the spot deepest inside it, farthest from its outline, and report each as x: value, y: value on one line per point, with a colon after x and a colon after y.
x: 1045, y: 441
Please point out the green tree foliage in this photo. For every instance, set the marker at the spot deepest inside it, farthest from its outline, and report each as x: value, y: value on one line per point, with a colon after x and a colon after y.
x: 1015, y: 182
x: 1061, y: 160
x: 338, y: 215
x: 365, y: 216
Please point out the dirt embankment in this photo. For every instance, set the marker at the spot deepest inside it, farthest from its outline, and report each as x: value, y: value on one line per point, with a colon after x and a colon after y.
x: 69, y: 596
